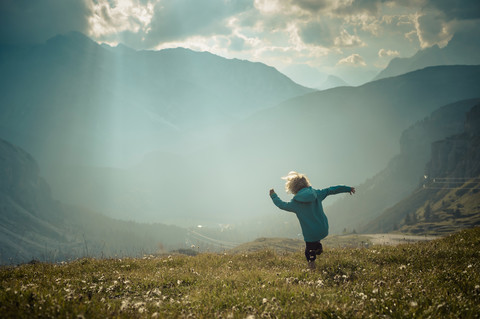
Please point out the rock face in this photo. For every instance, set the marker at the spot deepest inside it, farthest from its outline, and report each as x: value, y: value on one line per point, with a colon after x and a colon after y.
x: 402, y: 174
x: 448, y: 199
x: 29, y: 218
x: 458, y: 156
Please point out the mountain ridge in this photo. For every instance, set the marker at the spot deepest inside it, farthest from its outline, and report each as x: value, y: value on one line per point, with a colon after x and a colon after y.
x: 138, y: 100
x: 404, y: 172
x: 448, y: 197
x: 339, y: 136
x: 457, y: 52
x: 34, y: 226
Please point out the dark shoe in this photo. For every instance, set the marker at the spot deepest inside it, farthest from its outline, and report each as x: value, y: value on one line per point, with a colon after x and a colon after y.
x: 311, y: 265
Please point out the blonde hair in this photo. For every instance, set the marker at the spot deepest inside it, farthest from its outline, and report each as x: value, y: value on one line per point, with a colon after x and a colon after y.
x: 295, y: 182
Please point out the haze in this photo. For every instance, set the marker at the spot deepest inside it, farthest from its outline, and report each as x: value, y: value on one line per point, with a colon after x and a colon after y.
x: 188, y: 112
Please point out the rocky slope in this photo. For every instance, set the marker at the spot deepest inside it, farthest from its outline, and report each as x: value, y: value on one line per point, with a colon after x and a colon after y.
x: 35, y: 226
x: 403, y: 173
x: 448, y: 198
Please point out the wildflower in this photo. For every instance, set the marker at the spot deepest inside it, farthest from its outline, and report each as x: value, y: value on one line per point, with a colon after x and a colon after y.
x: 264, y: 300
x: 124, y: 304
x: 413, y: 304
x: 402, y: 267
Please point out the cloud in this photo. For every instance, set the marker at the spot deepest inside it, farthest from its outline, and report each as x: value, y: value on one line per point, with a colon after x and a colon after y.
x: 387, y: 53
x: 313, y: 6
x: 115, y: 17
x: 179, y: 19
x: 347, y: 40
x: 352, y: 60
x: 438, y: 20
x: 321, y: 33
x: 26, y: 21
x: 458, y: 9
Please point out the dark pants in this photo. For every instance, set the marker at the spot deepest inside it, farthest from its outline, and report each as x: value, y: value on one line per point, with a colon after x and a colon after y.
x: 313, y: 249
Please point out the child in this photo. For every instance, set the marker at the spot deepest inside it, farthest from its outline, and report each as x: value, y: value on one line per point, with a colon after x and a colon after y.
x: 307, y: 205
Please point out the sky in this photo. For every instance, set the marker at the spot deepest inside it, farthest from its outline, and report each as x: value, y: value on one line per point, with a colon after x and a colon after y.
x: 305, y: 39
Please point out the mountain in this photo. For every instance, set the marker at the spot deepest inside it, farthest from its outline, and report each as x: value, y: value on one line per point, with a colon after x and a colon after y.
x: 338, y: 136
x: 403, y: 173
x: 31, y: 222
x: 35, y: 226
x: 71, y: 100
x: 461, y: 50
x: 332, y: 81
x: 448, y: 198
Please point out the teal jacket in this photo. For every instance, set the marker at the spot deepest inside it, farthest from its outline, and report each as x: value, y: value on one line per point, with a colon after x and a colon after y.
x: 307, y: 205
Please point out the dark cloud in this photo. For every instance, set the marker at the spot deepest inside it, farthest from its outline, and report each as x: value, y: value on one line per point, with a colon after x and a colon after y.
x: 312, y: 5
x: 457, y: 9
x: 431, y: 29
x: 318, y: 33
x: 441, y: 19
x: 34, y: 21
x: 179, y: 19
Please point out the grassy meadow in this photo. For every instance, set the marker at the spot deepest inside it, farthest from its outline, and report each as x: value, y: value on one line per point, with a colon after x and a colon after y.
x: 437, y: 279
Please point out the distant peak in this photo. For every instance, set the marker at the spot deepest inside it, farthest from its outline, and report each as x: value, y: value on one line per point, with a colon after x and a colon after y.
x: 71, y: 37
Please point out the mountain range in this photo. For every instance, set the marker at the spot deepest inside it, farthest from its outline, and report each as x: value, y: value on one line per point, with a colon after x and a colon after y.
x: 71, y: 100
x: 404, y: 172
x: 187, y: 138
x: 462, y: 49
x: 447, y: 199
x: 34, y: 226
x: 338, y: 136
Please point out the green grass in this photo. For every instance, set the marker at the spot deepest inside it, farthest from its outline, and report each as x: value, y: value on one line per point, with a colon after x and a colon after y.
x: 438, y: 279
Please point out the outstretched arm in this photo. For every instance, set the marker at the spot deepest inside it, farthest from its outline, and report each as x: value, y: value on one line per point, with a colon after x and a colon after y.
x: 280, y: 203
x: 335, y: 190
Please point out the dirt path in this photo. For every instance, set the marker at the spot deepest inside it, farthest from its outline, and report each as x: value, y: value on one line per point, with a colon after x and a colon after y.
x: 395, y: 239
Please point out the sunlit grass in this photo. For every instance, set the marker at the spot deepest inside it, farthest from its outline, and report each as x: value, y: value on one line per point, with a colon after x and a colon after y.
x: 433, y: 279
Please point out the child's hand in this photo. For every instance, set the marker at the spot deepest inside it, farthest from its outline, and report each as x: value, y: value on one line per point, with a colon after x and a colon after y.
x: 352, y: 191
x: 272, y: 192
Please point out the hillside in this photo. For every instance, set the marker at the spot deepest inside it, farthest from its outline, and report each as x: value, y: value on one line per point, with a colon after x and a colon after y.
x: 403, y: 173
x: 71, y: 100
x: 338, y: 136
x: 460, y: 50
x: 34, y: 226
x: 448, y: 199
x: 436, y: 279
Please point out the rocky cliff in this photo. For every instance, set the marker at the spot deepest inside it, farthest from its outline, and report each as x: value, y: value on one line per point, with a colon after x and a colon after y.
x: 448, y: 199
x: 458, y: 156
x: 403, y: 173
